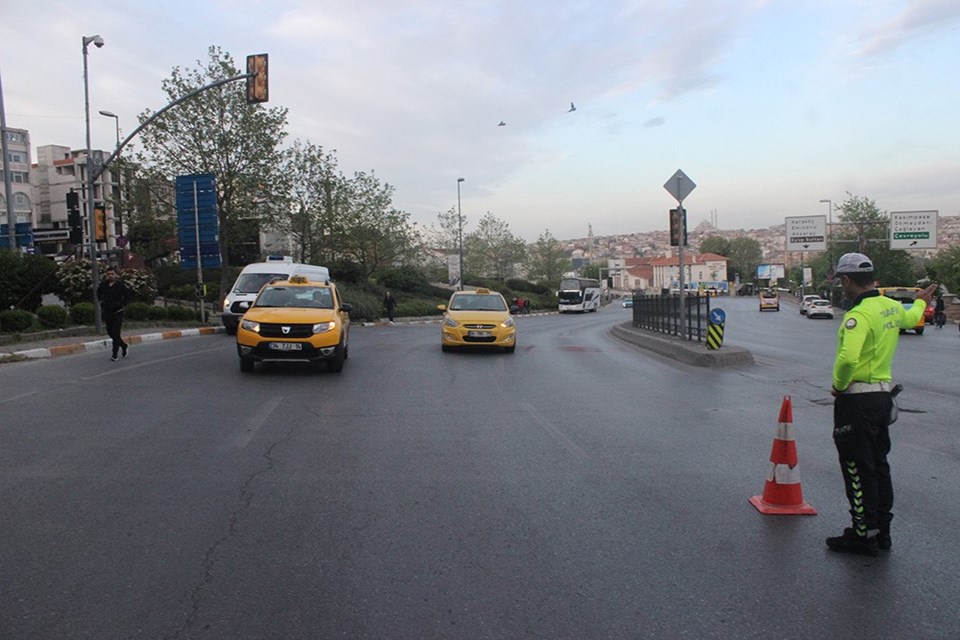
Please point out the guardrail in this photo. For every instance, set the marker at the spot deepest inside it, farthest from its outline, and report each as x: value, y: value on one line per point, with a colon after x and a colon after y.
x: 661, y: 313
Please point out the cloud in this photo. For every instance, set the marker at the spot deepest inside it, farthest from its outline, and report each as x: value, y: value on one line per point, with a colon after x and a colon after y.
x: 918, y: 19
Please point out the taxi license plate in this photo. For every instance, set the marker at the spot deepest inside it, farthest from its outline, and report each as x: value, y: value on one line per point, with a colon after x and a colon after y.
x: 286, y: 346
x: 478, y: 334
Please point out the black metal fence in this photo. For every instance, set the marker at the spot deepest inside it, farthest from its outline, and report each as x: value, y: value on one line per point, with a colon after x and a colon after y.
x: 662, y: 313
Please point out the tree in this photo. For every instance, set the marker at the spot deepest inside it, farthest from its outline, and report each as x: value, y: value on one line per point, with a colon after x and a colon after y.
x: 315, y: 191
x: 546, y: 260
x: 744, y: 255
x: 217, y: 132
x: 715, y: 244
x: 865, y: 228
x: 442, y: 239
x: 945, y: 268
x: 369, y: 231
x: 492, y: 250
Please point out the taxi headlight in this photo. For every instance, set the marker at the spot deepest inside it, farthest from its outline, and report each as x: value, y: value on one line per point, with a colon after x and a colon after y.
x: 250, y: 325
x: 450, y: 322
x: 507, y: 323
x: 226, y: 303
x: 323, y: 327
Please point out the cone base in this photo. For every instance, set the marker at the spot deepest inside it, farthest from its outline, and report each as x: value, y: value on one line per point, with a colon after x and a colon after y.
x: 802, y: 509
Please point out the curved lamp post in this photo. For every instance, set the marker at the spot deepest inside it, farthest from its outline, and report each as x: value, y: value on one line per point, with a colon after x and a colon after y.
x: 119, y: 173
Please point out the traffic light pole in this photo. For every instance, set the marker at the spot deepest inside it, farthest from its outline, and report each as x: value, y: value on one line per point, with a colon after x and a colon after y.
x: 7, y: 181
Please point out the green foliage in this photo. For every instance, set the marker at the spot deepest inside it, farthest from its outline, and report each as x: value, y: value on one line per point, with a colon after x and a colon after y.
x: 155, y: 312
x: 24, y: 279
x: 346, y: 271
x: 417, y: 308
x: 75, y: 281
x: 492, y: 250
x: 529, y: 287
x: 863, y: 224
x: 744, y: 255
x: 715, y: 244
x: 181, y: 314
x: 367, y: 306
x: 52, y: 316
x: 410, y: 280
x: 138, y: 311
x: 217, y: 132
x: 546, y: 259
x: 82, y: 313
x: 15, y: 320
x: 944, y: 268
x: 141, y: 283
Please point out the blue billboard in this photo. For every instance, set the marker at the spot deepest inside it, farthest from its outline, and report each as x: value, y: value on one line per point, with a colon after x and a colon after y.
x: 197, y: 210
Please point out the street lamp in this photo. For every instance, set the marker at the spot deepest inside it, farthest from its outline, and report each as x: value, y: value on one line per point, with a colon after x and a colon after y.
x: 829, y: 238
x: 92, y: 219
x: 116, y: 169
x: 460, y: 230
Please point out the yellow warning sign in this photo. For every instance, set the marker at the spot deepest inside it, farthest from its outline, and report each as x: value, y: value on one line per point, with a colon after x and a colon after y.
x: 714, y: 335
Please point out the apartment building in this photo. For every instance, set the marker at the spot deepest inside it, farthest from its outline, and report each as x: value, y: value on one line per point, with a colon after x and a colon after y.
x: 17, y: 162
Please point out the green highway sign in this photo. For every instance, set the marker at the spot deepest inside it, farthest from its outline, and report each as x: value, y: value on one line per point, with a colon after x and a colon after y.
x: 912, y: 235
x: 913, y: 229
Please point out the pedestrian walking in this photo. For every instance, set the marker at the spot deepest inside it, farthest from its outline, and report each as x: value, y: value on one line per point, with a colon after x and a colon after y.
x: 866, y: 343
x: 113, y: 296
x: 389, y: 304
x: 940, y: 312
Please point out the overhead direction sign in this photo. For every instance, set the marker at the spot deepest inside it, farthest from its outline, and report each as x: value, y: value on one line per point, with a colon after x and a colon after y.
x: 913, y: 229
x: 806, y: 233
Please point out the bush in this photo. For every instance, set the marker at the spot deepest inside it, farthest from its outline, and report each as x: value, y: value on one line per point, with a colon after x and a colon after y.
x: 141, y: 283
x: 179, y: 313
x: 138, y: 311
x: 155, y: 312
x: 82, y: 313
x: 417, y: 308
x: 52, y: 316
x: 24, y: 279
x: 526, y: 286
x: 15, y: 320
x: 366, y: 306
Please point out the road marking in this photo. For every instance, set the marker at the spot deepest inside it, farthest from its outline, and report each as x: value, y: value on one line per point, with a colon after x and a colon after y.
x: 253, y: 424
x: 558, y: 435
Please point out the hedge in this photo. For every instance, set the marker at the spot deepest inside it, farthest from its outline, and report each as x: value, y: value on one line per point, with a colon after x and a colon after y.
x: 15, y: 320
x: 52, y: 316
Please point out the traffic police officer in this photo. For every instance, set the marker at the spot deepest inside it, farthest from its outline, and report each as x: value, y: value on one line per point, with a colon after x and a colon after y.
x: 866, y: 343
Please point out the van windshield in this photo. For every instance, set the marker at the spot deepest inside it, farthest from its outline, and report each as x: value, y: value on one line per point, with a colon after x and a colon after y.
x: 253, y: 282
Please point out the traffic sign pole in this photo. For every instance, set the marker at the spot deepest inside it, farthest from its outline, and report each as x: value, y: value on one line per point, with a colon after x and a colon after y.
x: 680, y: 186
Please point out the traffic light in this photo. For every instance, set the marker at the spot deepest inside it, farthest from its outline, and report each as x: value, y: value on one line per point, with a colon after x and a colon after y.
x: 200, y: 290
x: 678, y: 227
x: 258, y: 88
x: 74, y: 220
x: 101, y: 218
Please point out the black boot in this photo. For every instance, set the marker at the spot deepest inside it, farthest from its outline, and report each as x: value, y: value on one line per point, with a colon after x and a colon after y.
x: 850, y: 542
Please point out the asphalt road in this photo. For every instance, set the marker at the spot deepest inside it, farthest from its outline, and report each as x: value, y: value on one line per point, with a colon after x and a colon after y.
x: 579, y: 488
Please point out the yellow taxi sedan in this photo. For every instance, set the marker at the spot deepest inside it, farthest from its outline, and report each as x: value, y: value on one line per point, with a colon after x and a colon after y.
x: 295, y: 321
x: 769, y: 299
x: 478, y: 318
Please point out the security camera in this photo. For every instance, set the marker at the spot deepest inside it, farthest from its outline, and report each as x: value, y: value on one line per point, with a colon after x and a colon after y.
x: 98, y: 41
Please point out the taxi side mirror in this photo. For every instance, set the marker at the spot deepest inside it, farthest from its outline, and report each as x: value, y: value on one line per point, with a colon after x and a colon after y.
x: 346, y: 307
x: 442, y: 307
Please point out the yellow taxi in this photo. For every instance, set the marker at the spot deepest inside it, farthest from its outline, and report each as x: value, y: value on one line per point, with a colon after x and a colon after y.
x: 769, y: 299
x: 295, y: 320
x: 477, y: 318
x: 906, y: 296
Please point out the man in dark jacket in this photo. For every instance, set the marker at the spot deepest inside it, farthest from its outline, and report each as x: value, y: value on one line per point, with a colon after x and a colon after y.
x: 114, y: 296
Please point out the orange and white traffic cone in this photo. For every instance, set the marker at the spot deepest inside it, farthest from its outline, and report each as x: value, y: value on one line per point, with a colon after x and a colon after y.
x: 782, y: 494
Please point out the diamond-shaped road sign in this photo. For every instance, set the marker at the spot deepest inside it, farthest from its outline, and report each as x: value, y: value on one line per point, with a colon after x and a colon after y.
x: 679, y: 185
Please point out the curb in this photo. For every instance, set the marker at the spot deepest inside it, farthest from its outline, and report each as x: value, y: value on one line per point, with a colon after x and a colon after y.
x: 105, y: 343
x: 692, y: 353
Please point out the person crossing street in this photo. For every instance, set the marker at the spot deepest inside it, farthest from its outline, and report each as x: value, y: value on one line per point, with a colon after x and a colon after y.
x: 113, y: 296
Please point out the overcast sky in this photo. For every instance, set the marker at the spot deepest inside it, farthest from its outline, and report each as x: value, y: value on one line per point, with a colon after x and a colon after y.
x: 769, y: 106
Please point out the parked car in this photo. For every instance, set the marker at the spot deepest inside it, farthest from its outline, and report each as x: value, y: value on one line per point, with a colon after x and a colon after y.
x: 627, y: 303
x: 820, y: 308
x: 805, y: 303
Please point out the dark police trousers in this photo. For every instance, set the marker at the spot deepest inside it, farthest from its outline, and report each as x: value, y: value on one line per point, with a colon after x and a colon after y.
x: 862, y: 436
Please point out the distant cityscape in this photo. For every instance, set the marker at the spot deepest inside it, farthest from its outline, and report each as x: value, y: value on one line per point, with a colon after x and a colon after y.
x: 772, y: 242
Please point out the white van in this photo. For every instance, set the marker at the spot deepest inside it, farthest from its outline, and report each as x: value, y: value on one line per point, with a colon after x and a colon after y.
x: 252, y: 279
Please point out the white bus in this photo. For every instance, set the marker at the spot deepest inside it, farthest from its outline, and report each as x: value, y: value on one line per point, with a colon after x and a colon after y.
x: 579, y: 294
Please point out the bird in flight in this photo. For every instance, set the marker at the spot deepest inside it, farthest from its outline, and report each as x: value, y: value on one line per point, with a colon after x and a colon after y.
x: 502, y: 124
x: 572, y: 108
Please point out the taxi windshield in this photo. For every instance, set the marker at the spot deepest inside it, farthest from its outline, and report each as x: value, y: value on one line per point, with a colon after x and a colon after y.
x: 482, y: 302
x: 303, y: 297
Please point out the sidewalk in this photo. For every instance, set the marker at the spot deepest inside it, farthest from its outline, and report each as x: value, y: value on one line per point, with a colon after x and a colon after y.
x: 50, y: 344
